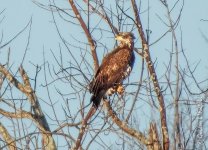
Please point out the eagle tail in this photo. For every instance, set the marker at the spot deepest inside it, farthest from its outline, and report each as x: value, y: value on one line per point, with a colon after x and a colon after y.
x: 96, y: 99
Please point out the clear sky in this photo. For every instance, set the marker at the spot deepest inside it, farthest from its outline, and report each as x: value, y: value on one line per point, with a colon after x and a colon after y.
x: 17, y: 14
x: 43, y: 35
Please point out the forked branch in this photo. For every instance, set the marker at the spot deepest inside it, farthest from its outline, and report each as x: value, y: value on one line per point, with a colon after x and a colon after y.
x: 38, y: 117
x: 123, y: 125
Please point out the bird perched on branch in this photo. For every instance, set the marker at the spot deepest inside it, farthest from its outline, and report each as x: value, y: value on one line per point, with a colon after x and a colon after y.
x: 115, y: 67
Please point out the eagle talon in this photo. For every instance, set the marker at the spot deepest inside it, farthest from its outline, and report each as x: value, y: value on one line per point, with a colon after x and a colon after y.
x: 111, y: 91
x: 120, y: 90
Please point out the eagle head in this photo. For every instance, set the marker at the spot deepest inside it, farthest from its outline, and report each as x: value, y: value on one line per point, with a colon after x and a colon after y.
x: 125, y: 38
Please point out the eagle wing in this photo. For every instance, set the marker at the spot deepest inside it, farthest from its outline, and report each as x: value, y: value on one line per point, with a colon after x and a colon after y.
x: 115, y: 67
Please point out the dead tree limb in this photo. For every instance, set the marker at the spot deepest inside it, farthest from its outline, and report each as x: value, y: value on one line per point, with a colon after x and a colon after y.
x: 123, y: 125
x: 87, y: 33
x: 7, y: 138
x: 39, y: 117
x: 153, y: 76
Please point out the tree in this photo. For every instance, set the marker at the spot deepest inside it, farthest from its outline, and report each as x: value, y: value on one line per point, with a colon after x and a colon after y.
x: 48, y: 106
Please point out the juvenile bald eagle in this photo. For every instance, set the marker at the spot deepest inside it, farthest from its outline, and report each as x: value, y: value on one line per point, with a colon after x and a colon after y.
x: 115, y: 67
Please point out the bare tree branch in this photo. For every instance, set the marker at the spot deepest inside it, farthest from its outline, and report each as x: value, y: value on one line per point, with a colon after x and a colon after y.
x: 7, y: 138
x: 153, y: 75
x: 134, y: 133
x: 87, y: 32
x: 39, y: 117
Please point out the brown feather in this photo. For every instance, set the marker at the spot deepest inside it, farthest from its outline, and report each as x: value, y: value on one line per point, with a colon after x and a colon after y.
x: 115, y: 67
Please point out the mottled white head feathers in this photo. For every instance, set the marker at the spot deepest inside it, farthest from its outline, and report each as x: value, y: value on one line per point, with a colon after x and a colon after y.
x: 125, y: 38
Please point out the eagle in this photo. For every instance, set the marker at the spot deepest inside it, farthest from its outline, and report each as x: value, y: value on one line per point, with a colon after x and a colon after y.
x: 115, y: 67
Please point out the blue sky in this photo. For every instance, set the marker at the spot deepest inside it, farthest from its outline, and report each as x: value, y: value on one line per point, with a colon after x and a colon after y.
x: 18, y: 13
